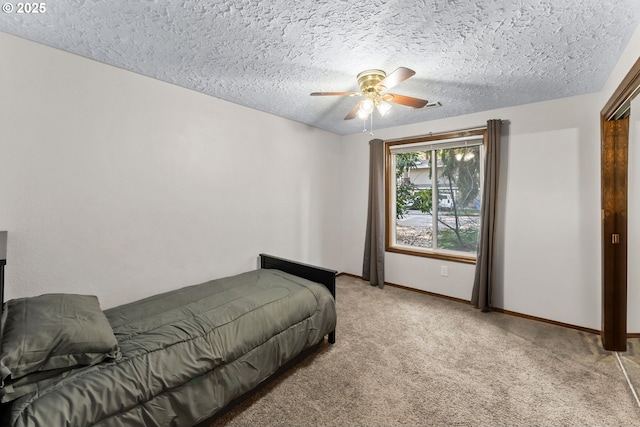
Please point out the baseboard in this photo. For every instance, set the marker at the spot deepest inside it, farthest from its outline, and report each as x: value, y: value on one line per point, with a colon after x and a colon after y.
x: 543, y: 320
x: 497, y: 310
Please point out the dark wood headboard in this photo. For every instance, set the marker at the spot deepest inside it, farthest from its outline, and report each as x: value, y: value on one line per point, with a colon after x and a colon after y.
x: 3, y: 262
x: 310, y: 272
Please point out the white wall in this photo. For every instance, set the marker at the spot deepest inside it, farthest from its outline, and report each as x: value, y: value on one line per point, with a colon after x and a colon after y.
x: 548, y: 242
x: 548, y: 247
x: 122, y: 186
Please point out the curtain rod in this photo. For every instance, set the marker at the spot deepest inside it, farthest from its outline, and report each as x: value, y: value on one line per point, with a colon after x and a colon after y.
x: 439, y: 133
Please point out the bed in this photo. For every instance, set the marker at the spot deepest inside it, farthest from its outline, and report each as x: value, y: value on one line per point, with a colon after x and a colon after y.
x: 173, y: 359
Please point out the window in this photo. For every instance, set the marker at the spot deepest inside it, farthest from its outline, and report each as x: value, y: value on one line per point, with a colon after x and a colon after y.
x: 434, y: 195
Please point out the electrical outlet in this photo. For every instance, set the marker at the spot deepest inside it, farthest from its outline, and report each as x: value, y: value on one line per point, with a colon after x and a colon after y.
x: 444, y: 270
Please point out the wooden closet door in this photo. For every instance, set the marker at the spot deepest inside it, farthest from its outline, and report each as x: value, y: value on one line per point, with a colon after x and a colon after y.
x: 614, y: 168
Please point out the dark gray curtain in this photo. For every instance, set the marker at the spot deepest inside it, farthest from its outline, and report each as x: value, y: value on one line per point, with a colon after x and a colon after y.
x: 482, y: 285
x: 373, y: 262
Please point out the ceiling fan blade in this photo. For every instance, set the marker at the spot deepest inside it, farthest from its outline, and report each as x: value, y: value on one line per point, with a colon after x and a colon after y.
x: 354, y: 112
x: 405, y: 100
x: 399, y: 75
x: 336, y: 94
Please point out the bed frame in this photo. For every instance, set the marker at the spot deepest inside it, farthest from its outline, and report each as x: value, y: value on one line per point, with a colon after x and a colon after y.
x: 3, y: 262
x: 321, y: 275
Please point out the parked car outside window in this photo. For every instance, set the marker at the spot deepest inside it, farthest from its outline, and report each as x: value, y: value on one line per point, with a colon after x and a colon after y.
x: 445, y: 201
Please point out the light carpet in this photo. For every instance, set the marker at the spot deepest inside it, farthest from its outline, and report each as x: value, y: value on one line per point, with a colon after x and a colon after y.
x: 407, y: 359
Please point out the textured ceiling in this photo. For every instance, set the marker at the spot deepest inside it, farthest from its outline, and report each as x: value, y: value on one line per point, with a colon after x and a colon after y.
x: 269, y: 55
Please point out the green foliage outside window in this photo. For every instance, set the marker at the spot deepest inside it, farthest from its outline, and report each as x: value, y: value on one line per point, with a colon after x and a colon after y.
x: 459, y: 179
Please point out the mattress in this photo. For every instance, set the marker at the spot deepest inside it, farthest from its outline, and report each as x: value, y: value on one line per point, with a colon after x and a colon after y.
x: 186, y: 353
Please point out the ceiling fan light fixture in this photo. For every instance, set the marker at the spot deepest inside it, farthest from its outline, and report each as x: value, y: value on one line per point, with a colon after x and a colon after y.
x: 383, y: 108
x: 373, y: 86
x: 367, y: 105
x: 363, y: 114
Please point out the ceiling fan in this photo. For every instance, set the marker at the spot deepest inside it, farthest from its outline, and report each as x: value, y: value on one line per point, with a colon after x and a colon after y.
x: 373, y: 86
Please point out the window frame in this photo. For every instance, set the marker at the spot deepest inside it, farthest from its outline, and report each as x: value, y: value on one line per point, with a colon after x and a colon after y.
x: 390, y: 182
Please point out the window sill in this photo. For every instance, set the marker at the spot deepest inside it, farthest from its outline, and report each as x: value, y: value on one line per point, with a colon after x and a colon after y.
x: 427, y: 253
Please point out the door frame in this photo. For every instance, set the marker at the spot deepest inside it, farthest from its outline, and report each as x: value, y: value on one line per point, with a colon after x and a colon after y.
x: 615, y: 172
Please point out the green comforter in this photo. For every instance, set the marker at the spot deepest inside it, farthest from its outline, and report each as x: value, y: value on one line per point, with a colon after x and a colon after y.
x: 186, y: 354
